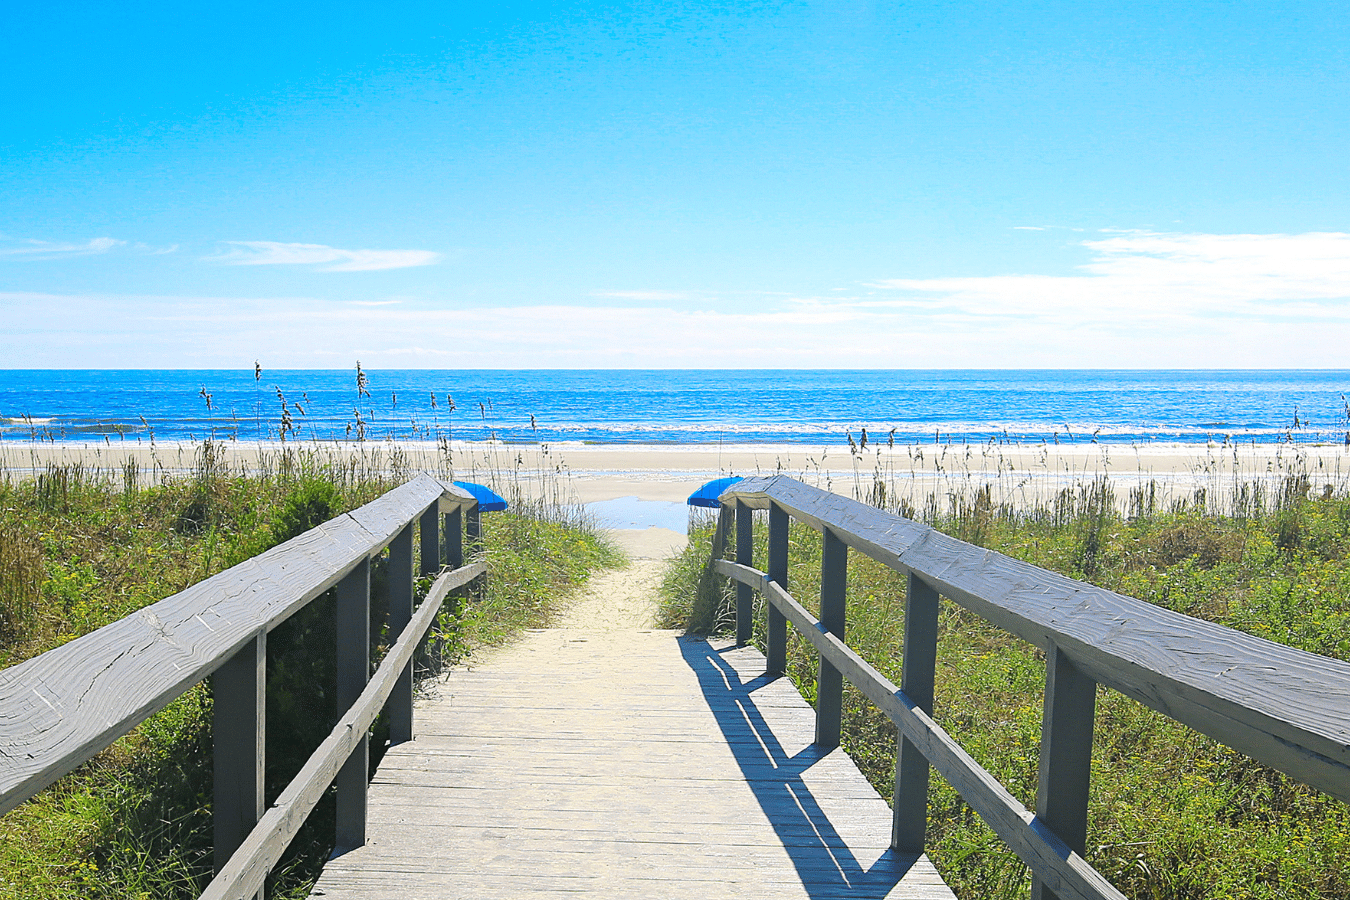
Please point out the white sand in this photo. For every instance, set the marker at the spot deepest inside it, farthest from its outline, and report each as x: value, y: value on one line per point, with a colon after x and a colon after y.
x: 587, y: 473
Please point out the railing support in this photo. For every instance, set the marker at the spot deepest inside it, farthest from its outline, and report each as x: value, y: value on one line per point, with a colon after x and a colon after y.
x: 400, y: 705
x: 909, y: 808
x: 353, y: 671
x: 829, y: 682
x: 239, y: 717
x: 1066, y: 755
x: 745, y: 555
x: 473, y: 537
x: 454, y: 539
x: 776, y: 655
x: 429, y: 528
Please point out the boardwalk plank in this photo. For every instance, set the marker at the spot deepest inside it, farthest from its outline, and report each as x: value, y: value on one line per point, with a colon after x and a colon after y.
x: 644, y: 765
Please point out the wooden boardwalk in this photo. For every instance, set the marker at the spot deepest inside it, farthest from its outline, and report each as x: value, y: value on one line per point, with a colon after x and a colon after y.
x: 621, y: 764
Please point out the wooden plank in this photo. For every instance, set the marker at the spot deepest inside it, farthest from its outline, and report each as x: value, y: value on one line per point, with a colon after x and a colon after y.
x: 1284, y: 707
x: 59, y: 709
x: 352, y: 609
x: 1062, y: 870
x: 909, y: 804
x: 246, y: 871
x: 239, y: 730
x: 833, y: 598
x: 697, y: 778
x: 1066, y: 756
x: 745, y: 555
x: 400, y: 708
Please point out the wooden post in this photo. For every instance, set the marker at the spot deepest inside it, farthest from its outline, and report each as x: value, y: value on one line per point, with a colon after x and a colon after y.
x: 431, y: 540
x: 776, y: 655
x: 1066, y: 755
x: 454, y: 539
x: 829, y: 682
x: 400, y: 703
x: 353, y: 671
x: 239, y: 718
x: 473, y: 537
x: 745, y: 555
x: 909, y: 808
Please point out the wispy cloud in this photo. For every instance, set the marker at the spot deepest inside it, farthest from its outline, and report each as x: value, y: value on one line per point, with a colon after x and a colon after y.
x: 649, y: 296
x: 1142, y: 276
x: 55, y: 250
x: 327, y: 259
x: 1143, y: 299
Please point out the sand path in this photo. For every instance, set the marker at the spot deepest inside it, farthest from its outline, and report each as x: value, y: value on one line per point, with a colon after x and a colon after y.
x: 624, y: 599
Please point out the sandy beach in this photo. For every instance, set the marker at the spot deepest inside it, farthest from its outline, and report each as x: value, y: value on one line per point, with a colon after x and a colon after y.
x: 590, y: 473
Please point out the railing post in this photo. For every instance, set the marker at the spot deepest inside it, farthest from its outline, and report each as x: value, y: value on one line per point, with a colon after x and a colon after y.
x: 909, y: 808
x: 1066, y: 755
x: 454, y: 539
x: 829, y: 681
x: 400, y: 703
x: 429, y: 526
x: 239, y: 717
x: 745, y: 555
x: 473, y: 536
x: 776, y: 655
x: 353, y: 671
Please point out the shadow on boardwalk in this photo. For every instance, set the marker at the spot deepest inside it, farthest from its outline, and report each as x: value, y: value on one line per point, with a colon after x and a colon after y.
x: 822, y: 857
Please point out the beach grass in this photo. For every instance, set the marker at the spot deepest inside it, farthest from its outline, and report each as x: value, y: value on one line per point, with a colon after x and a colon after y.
x: 1173, y: 814
x: 82, y: 546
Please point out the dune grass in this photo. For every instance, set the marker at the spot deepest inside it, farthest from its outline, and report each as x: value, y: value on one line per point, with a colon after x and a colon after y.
x: 1173, y: 814
x: 80, y: 548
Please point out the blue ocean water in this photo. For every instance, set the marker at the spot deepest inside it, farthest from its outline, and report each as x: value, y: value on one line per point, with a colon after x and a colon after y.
x: 683, y: 406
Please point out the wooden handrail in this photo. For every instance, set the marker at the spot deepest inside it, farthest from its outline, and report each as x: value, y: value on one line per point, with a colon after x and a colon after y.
x: 60, y: 708
x: 248, y: 867
x: 1284, y: 707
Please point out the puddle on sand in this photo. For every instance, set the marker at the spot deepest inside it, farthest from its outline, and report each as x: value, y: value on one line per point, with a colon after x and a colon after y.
x: 632, y: 512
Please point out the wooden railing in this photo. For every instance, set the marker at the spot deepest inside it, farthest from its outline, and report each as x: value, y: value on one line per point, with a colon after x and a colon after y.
x: 1283, y: 707
x: 59, y: 709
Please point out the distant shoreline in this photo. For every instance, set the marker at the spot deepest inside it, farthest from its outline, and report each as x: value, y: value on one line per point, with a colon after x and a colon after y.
x: 596, y: 472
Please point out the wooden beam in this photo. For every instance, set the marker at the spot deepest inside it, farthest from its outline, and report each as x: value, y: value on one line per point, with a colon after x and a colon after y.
x: 429, y: 529
x: 400, y: 708
x: 1281, y: 706
x: 775, y: 652
x: 353, y: 672
x: 1066, y: 756
x: 244, y: 874
x: 1063, y: 870
x: 745, y: 555
x: 909, y: 807
x: 64, y: 706
x: 239, y: 729
x: 833, y: 597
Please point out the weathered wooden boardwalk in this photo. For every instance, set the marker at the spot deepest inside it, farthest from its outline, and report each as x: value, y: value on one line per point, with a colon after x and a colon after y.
x: 622, y: 764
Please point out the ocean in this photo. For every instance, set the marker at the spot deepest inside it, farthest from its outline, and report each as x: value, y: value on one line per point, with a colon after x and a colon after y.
x: 679, y: 406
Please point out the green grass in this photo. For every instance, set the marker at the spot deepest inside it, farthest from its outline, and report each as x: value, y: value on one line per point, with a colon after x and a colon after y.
x: 1173, y: 814
x: 80, y: 549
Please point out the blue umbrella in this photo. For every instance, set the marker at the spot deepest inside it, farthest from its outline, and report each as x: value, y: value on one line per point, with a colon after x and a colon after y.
x: 708, y: 494
x: 488, y: 501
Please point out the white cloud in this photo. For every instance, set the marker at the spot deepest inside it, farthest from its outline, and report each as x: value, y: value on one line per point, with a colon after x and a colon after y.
x: 1143, y: 277
x: 53, y: 250
x: 1143, y: 300
x: 652, y: 296
x: 329, y: 259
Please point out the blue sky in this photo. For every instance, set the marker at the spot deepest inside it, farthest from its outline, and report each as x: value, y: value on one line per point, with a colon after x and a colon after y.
x: 947, y: 184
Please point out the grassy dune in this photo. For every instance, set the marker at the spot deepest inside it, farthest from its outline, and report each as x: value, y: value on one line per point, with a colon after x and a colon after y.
x: 80, y: 548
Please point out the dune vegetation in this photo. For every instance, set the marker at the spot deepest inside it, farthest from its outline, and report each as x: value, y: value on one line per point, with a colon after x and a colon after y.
x: 82, y: 547
x: 1173, y: 814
